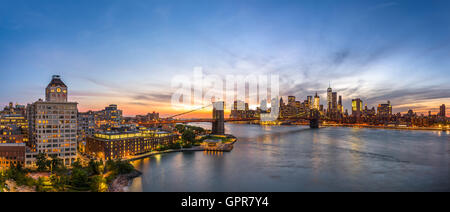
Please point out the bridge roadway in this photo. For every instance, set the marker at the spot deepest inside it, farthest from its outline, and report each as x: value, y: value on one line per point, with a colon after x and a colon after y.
x: 218, y: 119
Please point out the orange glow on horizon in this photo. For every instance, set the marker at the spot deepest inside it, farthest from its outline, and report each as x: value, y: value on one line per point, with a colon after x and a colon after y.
x: 165, y: 109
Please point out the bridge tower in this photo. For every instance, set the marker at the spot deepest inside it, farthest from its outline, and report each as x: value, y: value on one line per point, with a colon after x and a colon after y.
x: 218, y: 125
x: 314, y: 121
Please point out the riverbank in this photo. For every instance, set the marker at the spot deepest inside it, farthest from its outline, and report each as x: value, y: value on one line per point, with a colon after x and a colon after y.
x: 388, y: 127
x: 142, y: 156
x: 192, y: 149
x: 360, y: 126
x: 122, y: 182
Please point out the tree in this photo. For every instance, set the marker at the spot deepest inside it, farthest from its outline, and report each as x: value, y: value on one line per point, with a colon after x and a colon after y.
x: 94, y: 167
x: 124, y: 167
x: 79, y: 178
x: 59, y: 182
x: 98, y: 184
x: 2, y: 181
x: 77, y: 164
x: 180, y: 128
x: 188, y: 136
x: 41, y: 162
x: 39, y: 185
x: 56, y: 163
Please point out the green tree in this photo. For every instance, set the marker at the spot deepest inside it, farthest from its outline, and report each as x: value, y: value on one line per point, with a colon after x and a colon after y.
x: 77, y: 164
x: 188, y: 136
x: 55, y: 163
x: 124, y: 167
x: 98, y: 184
x: 180, y: 128
x: 94, y: 167
x: 79, y: 178
x: 2, y: 181
x: 41, y: 162
x: 19, y: 175
x: 39, y: 184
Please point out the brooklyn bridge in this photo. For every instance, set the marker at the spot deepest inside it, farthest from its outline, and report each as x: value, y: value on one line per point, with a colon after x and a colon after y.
x: 218, y: 119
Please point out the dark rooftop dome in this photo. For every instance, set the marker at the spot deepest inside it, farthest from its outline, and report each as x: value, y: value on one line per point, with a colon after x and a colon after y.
x: 56, y: 81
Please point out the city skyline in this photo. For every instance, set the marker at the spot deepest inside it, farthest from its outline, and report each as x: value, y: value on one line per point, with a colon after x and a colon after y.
x: 374, y: 51
x: 205, y: 112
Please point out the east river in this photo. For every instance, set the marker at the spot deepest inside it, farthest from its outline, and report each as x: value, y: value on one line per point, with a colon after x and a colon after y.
x: 296, y: 158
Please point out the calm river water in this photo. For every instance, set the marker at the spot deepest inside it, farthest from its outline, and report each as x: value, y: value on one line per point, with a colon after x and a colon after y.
x: 296, y: 158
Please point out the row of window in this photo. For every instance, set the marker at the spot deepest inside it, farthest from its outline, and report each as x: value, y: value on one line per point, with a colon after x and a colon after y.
x: 57, y: 107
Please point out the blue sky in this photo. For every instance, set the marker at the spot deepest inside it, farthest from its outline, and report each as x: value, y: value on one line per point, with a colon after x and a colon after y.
x: 126, y: 52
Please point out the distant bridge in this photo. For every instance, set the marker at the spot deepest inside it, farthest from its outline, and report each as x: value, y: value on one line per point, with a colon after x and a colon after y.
x: 218, y: 119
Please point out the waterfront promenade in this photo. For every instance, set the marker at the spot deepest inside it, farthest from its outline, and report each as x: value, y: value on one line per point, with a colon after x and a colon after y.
x: 192, y: 149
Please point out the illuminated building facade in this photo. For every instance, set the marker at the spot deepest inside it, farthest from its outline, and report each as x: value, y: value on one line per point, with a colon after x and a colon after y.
x: 111, y: 116
x: 384, y: 110
x: 309, y: 99
x: 291, y: 100
x: 13, y: 128
x: 12, y: 154
x: 122, y: 143
x: 86, y: 127
x: 149, y: 117
x: 17, y: 110
x: 53, y: 124
x: 56, y: 90
x: 13, y: 136
x: 316, y: 102
x: 357, y: 106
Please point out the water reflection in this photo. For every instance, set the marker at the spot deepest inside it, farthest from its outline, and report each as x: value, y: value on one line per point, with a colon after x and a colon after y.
x: 296, y: 158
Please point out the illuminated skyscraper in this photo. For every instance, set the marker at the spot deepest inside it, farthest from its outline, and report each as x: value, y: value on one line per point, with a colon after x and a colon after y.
x: 291, y: 100
x: 316, y: 102
x: 340, y: 107
x: 53, y: 123
x: 357, y: 106
x: 384, y: 110
x: 310, y: 102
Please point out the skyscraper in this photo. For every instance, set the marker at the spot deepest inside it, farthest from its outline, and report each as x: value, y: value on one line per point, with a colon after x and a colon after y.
x: 442, y: 110
x: 357, y: 106
x: 334, y: 102
x: 53, y: 123
x: 329, y: 97
x: 384, y: 110
x: 310, y: 102
x: 316, y: 102
x: 291, y: 100
x: 340, y: 106
x: 263, y: 105
x: 218, y: 116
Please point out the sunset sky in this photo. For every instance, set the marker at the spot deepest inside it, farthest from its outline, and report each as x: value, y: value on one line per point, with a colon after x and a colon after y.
x: 127, y: 52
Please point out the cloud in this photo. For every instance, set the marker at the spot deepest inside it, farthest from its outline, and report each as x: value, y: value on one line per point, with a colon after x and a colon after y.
x: 410, y: 95
x: 153, y: 97
x: 139, y: 103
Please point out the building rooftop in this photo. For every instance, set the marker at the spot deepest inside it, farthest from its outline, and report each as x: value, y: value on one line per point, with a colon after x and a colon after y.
x: 56, y: 81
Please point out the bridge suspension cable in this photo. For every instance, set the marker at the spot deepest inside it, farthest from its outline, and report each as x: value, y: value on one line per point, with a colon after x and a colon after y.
x: 180, y: 114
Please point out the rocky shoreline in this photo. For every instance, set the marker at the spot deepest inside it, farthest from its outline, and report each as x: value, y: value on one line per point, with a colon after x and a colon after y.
x: 121, y: 182
x: 13, y: 187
